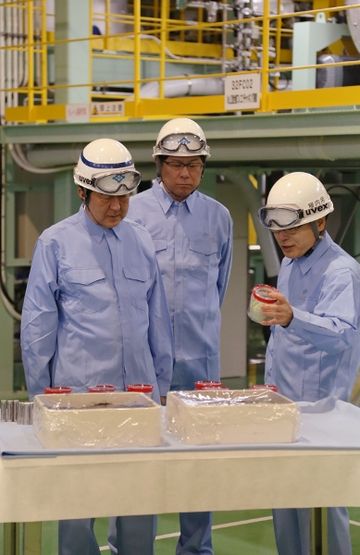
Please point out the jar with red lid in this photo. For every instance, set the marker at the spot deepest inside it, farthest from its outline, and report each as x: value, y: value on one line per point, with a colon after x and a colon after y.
x: 272, y: 387
x: 101, y: 388
x: 140, y: 388
x: 208, y: 385
x: 57, y: 389
x: 260, y: 297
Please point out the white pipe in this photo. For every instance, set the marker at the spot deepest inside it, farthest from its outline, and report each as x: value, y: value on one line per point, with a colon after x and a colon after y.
x: 184, y: 87
x: 20, y: 158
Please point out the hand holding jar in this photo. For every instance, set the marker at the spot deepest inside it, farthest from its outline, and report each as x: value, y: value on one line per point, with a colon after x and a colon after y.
x: 269, y: 307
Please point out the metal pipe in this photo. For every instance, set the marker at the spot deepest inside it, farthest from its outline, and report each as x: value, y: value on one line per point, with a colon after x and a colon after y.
x: 184, y: 87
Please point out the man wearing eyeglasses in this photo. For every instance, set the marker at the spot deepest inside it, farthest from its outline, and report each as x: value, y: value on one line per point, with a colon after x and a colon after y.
x: 192, y: 234
x: 95, y: 312
x: 314, y: 347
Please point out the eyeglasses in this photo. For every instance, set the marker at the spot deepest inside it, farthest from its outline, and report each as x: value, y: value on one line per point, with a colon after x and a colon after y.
x: 280, y: 217
x: 117, y: 183
x: 178, y: 166
x: 172, y: 143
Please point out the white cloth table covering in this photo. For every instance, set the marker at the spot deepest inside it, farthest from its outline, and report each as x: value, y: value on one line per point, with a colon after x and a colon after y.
x: 39, y: 489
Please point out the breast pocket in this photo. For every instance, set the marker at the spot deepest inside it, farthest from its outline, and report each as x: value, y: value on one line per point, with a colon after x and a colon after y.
x: 88, y: 288
x: 136, y: 284
x: 203, y: 258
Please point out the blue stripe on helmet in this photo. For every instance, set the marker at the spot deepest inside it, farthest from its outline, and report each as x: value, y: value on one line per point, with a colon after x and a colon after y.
x: 106, y: 166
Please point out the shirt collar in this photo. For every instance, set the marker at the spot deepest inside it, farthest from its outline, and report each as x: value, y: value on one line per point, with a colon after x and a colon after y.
x: 166, y: 201
x: 96, y: 231
x: 305, y: 263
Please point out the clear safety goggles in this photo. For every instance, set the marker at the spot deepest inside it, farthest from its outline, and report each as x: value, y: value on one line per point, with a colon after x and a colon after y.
x: 172, y: 143
x: 117, y: 183
x: 282, y: 218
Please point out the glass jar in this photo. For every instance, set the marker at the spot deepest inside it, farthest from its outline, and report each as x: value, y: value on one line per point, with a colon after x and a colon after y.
x: 140, y: 387
x: 272, y: 387
x: 259, y: 298
x: 58, y: 389
x: 101, y: 388
x: 209, y: 385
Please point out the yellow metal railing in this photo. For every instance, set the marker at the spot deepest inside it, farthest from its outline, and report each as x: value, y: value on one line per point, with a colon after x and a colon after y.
x: 160, y: 41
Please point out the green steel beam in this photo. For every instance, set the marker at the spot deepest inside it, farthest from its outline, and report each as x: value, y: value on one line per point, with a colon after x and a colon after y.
x: 310, y: 140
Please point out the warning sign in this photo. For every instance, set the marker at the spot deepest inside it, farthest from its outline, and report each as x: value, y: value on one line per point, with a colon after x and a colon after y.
x: 111, y: 108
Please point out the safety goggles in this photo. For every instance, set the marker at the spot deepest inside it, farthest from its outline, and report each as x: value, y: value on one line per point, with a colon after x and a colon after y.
x: 117, y: 183
x: 172, y: 143
x: 283, y: 218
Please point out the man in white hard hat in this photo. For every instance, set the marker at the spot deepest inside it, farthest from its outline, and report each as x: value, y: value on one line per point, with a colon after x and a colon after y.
x: 95, y: 311
x: 192, y: 234
x: 314, y: 347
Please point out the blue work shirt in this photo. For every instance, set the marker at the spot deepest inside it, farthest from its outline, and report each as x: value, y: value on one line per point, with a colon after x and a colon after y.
x: 193, y: 243
x: 318, y: 354
x: 95, y: 309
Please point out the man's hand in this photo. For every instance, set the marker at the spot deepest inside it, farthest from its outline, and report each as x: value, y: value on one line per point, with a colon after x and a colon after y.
x: 278, y: 313
x: 163, y: 400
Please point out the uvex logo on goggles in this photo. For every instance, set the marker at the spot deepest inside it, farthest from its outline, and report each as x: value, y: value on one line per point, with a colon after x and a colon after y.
x: 86, y: 180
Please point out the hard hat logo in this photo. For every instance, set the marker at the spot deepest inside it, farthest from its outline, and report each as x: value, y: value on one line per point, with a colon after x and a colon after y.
x: 316, y: 209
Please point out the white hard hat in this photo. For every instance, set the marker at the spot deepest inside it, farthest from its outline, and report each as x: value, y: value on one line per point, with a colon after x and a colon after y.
x: 295, y: 199
x: 106, y: 166
x: 181, y: 137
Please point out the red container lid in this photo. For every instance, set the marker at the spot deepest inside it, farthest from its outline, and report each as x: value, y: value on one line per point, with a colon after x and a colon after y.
x: 208, y: 385
x: 101, y: 388
x: 273, y: 387
x: 140, y: 387
x: 58, y: 389
x: 261, y: 293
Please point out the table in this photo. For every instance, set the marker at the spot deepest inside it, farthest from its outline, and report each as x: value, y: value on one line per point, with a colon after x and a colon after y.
x: 52, y: 486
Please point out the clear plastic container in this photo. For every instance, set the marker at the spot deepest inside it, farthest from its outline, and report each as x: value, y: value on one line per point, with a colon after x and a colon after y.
x: 259, y: 298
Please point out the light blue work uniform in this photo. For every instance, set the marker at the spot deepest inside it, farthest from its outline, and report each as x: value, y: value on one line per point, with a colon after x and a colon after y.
x: 95, y: 312
x: 316, y: 355
x: 193, y: 243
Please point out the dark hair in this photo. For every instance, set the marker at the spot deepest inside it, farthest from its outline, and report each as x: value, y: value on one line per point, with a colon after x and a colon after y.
x: 87, y: 194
